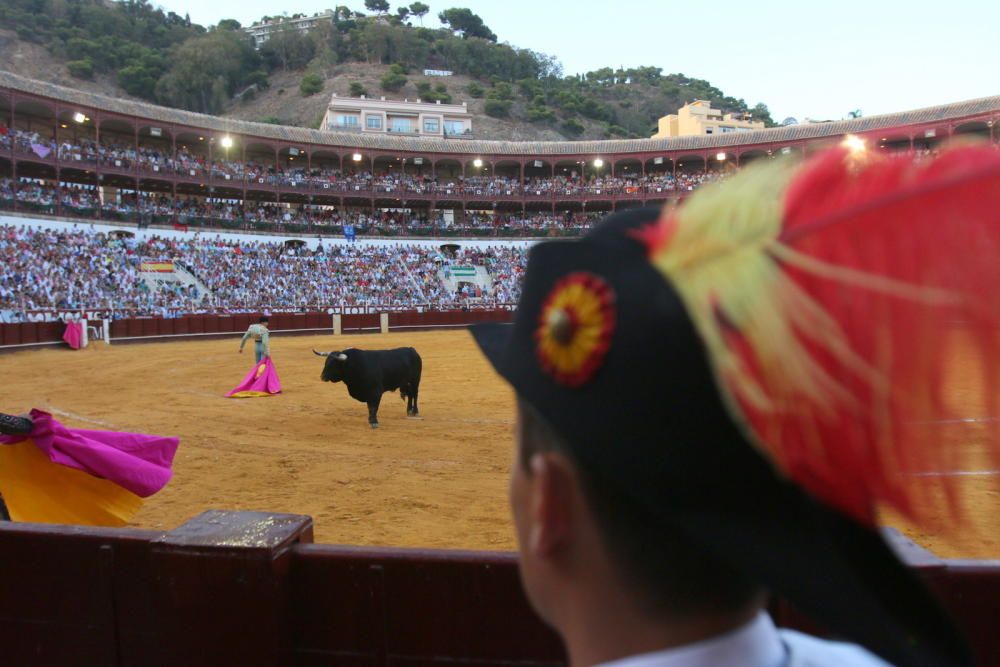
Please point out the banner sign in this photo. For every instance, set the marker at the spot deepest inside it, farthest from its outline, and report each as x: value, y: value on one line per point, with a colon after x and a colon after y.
x: 156, y: 267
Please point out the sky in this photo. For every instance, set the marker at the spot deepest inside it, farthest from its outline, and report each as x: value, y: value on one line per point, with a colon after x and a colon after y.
x: 806, y: 59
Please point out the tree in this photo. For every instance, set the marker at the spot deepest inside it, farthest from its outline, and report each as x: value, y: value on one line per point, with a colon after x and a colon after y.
x: 402, y: 13
x: 377, y: 6
x: 288, y: 48
x: 462, y: 21
x: 228, y: 24
x: 497, y: 108
x: 857, y: 113
x: 761, y: 112
x: 357, y: 90
x: 572, y: 128
x: 474, y: 89
x: 207, y: 70
x: 81, y: 69
x: 394, y: 79
x: 312, y: 83
x: 419, y: 10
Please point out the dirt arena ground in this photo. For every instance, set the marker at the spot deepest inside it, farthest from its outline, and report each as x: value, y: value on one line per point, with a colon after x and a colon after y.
x: 439, y: 481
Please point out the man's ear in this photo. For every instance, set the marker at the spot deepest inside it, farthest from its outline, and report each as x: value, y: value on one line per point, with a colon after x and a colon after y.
x: 554, y: 506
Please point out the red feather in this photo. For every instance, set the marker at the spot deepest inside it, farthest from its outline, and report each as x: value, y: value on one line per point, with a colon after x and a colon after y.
x: 931, y: 225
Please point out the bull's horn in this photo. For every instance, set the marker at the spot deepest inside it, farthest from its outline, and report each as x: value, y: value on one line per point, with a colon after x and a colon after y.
x: 321, y: 354
x: 341, y: 357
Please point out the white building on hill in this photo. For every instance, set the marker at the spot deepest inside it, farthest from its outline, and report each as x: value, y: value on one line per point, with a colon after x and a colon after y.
x: 382, y: 116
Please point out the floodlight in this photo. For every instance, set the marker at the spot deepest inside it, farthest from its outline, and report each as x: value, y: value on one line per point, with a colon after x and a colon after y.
x: 598, y: 163
x: 79, y: 117
x: 356, y: 157
x: 854, y: 143
x: 227, y: 141
x: 477, y: 163
x: 721, y: 157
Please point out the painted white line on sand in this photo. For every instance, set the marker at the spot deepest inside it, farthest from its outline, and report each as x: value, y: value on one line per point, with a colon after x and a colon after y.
x: 63, y: 413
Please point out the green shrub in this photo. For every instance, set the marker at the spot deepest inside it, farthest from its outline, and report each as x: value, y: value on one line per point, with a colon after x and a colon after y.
x: 541, y: 114
x: 475, y: 90
x: 394, y: 79
x: 497, y: 108
x: 311, y: 84
x: 81, y: 69
x: 572, y: 127
x: 357, y: 90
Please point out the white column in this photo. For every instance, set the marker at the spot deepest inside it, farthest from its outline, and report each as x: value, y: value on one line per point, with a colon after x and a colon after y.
x: 107, y: 330
x: 84, y: 334
x: 337, y: 329
x: 384, y: 322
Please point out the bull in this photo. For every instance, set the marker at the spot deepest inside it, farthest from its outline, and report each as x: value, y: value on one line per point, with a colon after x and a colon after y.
x: 370, y: 373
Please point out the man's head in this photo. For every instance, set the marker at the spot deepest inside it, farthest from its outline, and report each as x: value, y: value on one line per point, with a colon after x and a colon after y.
x: 575, y: 531
x: 264, y: 319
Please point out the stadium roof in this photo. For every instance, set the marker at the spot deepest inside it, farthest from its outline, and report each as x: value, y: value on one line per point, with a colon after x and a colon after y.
x: 382, y: 142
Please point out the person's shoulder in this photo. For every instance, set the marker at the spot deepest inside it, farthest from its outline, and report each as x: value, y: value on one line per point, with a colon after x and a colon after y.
x: 808, y: 651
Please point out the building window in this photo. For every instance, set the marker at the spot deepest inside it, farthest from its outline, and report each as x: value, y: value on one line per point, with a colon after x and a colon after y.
x: 400, y: 125
x: 431, y: 125
x: 374, y: 123
x: 347, y: 121
x: 708, y: 130
x: 725, y: 128
x: 454, y: 127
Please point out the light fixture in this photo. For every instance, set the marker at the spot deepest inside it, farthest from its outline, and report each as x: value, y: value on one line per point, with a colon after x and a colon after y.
x: 201, y: 138
x: 854, y: 143
x: 227, y: 141
x: 477, y: 163
x: 598, y: 163
x: 721, y: 157
x: 356, y: 157
x: 63, y: 125
x: 79, y: 117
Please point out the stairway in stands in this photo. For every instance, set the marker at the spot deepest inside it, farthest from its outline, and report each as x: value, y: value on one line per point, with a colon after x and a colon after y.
x: 177, y: 275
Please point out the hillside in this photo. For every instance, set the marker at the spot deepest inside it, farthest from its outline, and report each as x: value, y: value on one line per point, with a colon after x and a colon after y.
x: 135, y: 50
x: 283, y: 103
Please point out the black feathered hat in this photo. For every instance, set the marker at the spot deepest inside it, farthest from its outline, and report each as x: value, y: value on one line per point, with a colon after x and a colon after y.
x: 676, y: 383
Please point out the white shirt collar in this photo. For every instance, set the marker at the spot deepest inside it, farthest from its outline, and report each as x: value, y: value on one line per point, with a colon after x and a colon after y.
x: 755, y: 644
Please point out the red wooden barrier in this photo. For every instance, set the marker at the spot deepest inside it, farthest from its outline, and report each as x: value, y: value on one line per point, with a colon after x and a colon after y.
x: 249, y: 588
x: 154, y: 327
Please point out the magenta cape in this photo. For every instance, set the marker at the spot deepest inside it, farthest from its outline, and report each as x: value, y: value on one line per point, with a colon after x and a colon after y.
x: 136, y: 462
x: 74, y: 334
x: 262, y: 380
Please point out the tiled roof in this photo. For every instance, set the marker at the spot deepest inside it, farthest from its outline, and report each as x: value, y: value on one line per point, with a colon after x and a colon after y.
x: 381, y: 142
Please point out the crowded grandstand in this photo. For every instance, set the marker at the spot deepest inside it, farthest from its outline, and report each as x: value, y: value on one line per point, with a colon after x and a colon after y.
x: 236, y: 193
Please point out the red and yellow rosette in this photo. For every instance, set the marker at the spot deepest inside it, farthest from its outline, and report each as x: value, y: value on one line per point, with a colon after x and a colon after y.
x: 575, y: 327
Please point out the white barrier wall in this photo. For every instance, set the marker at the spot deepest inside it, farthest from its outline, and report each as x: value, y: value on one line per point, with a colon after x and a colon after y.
x: 312, y: 241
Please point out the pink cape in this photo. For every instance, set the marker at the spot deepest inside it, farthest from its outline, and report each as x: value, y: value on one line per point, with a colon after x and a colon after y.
x: 74, y: 334
x: 262, y: 380
x: 136, y: 462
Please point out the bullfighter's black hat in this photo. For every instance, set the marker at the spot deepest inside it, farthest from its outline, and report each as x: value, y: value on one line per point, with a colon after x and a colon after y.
x: 648, y: 346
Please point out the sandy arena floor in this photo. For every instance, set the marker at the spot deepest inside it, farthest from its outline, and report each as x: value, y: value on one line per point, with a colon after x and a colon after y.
x: 435, y: 482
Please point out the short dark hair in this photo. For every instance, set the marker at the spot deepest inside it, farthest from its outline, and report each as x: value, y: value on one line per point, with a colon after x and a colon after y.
x: 264, y: 318
x: 670, y: 575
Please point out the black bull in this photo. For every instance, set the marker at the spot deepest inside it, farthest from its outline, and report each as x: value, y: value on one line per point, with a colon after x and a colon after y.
x: 370, y: 373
